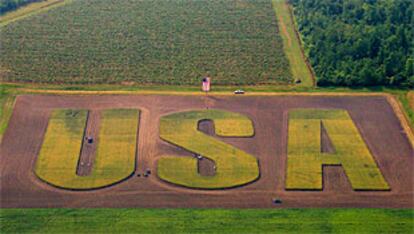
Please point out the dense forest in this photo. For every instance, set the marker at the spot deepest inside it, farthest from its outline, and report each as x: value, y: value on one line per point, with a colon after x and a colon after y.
x: 358, y: 42
x: 9, y: 5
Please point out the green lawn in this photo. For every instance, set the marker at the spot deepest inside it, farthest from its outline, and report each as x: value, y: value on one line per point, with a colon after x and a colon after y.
x: 206, y: 221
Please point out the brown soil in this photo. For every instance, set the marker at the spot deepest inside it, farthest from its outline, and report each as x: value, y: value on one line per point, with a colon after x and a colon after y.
x: 373, y: 116
x: 88, y: 150
x: 326, y: 143
x: 206, y: 166
x: 285, y: 32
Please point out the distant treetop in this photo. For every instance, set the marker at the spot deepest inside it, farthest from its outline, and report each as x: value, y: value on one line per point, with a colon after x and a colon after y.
x: 359, y: 42
x: 9, y: 5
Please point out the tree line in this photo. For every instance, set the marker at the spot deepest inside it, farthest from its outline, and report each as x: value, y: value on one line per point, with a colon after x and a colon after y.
x: 358, y: 42
x: 9, y: 5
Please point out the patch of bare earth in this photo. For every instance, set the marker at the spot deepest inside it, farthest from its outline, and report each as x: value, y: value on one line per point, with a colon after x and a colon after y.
x: 373, y: 116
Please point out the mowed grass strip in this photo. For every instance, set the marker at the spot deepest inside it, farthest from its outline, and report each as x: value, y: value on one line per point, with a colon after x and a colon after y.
x: 291, y: 44
x: 305, y: 159
x: 157, y: 42
x: 234, y: 167
x: 58, y: 157
x: 6, y: 110
x: 115, y: 156
x: 328, y: 220
x: 410, y: 96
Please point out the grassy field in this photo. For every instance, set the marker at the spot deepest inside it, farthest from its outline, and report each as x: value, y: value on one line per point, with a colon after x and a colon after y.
x: 115, y: 158
x: 158, y: 42
x: 234, y: 167
x: 115, y: 153
x: 291, y: 44
x: 410, y: 96
x: 305, y: 159
x: 206, y: 221
x: 58, y: 157
x: 29, y: 10
x: 6, y: 109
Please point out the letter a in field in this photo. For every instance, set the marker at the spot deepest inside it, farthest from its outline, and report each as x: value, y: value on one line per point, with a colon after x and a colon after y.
x: 306, y: 159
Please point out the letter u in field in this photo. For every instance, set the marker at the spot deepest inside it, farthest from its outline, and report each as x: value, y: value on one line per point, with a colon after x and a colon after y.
x: 308, y: 128
x: 66, y: 142
x: 233, y: 167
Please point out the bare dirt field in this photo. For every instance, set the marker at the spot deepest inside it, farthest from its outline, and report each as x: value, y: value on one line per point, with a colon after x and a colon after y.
x: 373, y: 116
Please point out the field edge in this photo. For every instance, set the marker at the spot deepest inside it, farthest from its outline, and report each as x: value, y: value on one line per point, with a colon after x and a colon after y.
x: 292, y: 46
x: 311, y: 220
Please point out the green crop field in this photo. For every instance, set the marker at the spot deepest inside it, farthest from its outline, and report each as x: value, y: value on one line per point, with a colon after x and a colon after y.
x: 59, y: 154
x: 115, y: 157
x: 305, y: 159
x: 157, y: 42
x: 234, y: 167
x: 207, y: 220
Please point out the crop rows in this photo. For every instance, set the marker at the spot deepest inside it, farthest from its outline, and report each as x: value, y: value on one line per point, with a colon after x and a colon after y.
x: 158, y: 42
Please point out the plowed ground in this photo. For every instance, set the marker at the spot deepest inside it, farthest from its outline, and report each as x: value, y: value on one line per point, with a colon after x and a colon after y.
x: 373, y: 116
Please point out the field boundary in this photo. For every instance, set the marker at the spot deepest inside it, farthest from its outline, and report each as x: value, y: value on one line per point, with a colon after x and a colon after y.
x: 29, y: 10
x: 292, y: 46
x: 410, y: 96
x: 208, y: 220
x: 402, y: 116
x: 300, y: 41
x: 192, y: 93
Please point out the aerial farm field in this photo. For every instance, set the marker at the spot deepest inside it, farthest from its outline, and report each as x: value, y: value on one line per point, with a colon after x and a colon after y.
x: 234, y: 167
x: 292, y: 45
x: 328, y: 137
x: 147, y: 42
x: 115, y: 153
x: 100, y: 108
x: 252, y: 142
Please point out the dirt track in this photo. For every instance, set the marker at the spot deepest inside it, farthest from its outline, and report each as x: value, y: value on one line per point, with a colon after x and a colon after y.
x: 373, y: 116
